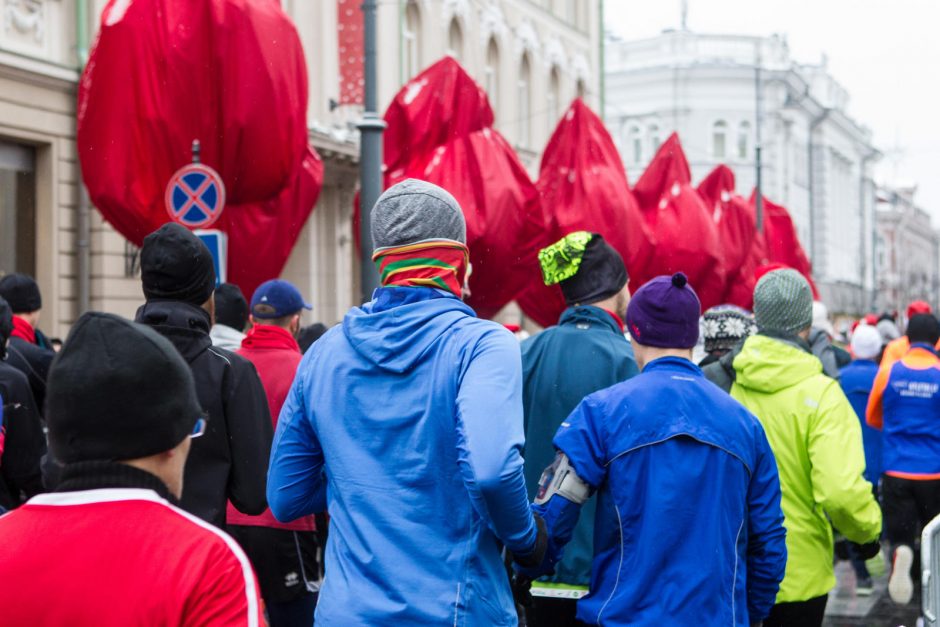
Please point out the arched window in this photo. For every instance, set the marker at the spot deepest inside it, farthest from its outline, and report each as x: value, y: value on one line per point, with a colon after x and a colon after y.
x: 412, y: 40
x: 525, y: 102
x: 744, y: 139
x: 635, y: 141
x: 719, y: 139
x: 581, y: 88
x: 492, y: 73
x: 455, y: 40
x: 655, y: 140
x: 554, y: 98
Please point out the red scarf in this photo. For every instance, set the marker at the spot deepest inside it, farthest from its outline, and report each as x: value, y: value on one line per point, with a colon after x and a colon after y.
x: 23, y: 330
x: 436, y: 263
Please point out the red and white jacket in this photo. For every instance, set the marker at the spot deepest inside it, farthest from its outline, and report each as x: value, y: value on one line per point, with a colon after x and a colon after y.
x: 117, y: 557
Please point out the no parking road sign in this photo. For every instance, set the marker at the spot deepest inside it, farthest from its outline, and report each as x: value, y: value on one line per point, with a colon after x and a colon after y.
x: 195, y: 196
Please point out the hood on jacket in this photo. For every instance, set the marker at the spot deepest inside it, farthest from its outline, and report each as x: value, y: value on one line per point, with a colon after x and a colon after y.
x: 769, y: 364
x: 398, y: 327
x: 186, y: 326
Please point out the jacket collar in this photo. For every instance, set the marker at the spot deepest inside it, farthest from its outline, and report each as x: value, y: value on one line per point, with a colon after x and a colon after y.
x: 674, y: 364
x: 96, y: 475
x: 591, y: 315
x: 268, y: 337
x: 172, y: 313
x: 23, y: 330
x: 788, y: 338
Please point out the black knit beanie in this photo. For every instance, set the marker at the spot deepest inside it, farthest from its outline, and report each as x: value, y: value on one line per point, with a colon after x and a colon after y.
x: 118, y: 390
x: 176, y: 265
x: 21, y: 292
x: 923, y: 328
x: 231, y: 308
x: 601, y: 274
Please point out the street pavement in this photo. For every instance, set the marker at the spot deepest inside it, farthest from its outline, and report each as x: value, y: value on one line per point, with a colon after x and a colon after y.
x: 846, y: 609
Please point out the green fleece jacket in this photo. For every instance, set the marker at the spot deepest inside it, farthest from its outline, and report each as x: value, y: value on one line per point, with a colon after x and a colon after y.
x: 817, y: 441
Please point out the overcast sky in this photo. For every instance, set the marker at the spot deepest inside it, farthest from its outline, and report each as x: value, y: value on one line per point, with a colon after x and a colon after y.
x: 885, y: 52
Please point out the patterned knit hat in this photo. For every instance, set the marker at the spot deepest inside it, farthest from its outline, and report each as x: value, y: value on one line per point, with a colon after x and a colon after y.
x: 726, y: 325
x: 783, y: 302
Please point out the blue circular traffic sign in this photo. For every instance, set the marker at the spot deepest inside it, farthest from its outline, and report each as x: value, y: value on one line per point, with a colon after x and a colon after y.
x: 195, y: 196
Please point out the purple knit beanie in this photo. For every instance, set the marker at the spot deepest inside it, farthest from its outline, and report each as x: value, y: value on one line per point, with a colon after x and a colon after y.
x: 664, y: 313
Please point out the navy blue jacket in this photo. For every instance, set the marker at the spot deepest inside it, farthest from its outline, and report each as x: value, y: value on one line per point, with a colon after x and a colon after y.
x: 857, y: 380
x: 584, y: 353
x: 689, y: 529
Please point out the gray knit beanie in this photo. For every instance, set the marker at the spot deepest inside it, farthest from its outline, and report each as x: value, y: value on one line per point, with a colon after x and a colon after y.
x: 783, y: 302
x: 414, y: 211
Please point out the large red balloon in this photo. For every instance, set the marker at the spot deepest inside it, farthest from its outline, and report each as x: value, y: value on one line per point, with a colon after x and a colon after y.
x: 440, y: 130
x: 681, y: 224
x: 230, y: 73
x: 583, y: 187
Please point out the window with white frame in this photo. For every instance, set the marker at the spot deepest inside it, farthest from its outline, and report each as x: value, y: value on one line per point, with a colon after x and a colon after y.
x: 655, y: 138
x: 525, y: 102
x: 719, y: 139
x: 554, y: 98
x: 635, y: 141
x: 492, y: 73
x: 455, y: 40
x: 744, y: 139
x: 412, y: 41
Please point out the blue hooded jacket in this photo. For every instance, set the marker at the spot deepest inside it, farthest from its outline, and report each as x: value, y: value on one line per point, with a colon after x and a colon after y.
x: 584, y: 353
x: 689, y: 529
x: 410, y: 415
x: 857, y: 380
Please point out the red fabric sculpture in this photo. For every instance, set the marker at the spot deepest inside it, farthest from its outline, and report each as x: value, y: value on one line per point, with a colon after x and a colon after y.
x: 783, y: 244
x: 230, y: 73
x: 682, y: 226
x: 440, y: 130
x: 583, y: 187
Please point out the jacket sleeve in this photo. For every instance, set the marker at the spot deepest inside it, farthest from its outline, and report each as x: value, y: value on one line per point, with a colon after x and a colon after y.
x: 296, y: 481
x: 874, y: 412
x: 490, y: 439
x: 766, y: 535
x: 25, y: 442
x: 250, y: 431
x: 838, y: 461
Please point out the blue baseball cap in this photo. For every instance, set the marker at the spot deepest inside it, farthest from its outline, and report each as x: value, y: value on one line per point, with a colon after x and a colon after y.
x: 275, y: 299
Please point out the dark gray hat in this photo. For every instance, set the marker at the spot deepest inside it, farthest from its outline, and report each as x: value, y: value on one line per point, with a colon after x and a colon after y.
x: 415, y: 211
x: 783, y: 302
x: 118, y: 391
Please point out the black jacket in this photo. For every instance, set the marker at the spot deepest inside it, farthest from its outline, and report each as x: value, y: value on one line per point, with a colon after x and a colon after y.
x: 229, y: 462
x: 25, y: 444
x: 722, y: 372
x: 34, y: 362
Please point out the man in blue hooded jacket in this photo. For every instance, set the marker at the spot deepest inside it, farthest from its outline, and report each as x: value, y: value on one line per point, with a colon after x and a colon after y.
x: 584, y: 353
x: 406, y: 422
x: 689, y: 529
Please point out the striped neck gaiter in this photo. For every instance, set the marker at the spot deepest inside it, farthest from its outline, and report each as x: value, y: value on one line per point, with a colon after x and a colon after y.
x: 436, y: 263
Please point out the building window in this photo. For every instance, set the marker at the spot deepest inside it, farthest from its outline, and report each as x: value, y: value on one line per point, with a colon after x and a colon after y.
x: 554, y: 99
x: 635, y: 141
x: 655, y: 140
x: 744, y: 138
x: 581, y: 88
x: 492, y: 73
x: 525, y: 103
x: 412, y: 40
x: 719, y: 139
x: 455, y: 40
x: 17, y: 209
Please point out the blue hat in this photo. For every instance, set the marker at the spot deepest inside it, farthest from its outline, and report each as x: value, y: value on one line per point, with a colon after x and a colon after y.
x: 276, y: 299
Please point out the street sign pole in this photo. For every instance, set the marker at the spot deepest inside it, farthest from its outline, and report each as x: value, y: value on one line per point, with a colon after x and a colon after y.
x: 370, y: 153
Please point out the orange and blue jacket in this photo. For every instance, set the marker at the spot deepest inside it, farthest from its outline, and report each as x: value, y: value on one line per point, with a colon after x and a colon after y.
x: 905, y: 405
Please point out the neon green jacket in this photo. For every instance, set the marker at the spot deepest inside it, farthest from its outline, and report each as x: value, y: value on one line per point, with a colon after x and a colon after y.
x: 817, y: 441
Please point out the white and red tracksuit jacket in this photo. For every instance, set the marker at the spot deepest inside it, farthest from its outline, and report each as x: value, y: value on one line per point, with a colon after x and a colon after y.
x: 118, y: 557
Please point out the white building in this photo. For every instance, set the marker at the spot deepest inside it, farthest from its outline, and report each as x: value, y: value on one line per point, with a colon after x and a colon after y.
x: 907, y: 251
x: 533, y: 56
x: 816, y: 160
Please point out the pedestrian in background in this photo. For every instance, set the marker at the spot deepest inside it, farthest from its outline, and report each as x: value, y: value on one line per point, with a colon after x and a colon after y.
x: 724, y: 329
x: 817, y: 443
x: 899, y: 345
x: 905, y: 405
x: 24, y: 442
x: 284, y: 554
x: 411, y: 413
x: 857, y: 380
x: 680, y: 471
x: 585, y: 352
x: 230, y: 462
x: 28, y: 351
x: 231, y: 317
x: 109, y: 547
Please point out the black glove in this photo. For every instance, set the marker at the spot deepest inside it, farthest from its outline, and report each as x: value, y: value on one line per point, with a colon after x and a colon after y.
x: 521, y: 590
x: 534, y: 558
x: 868, y: 550
x: 842, y: 549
